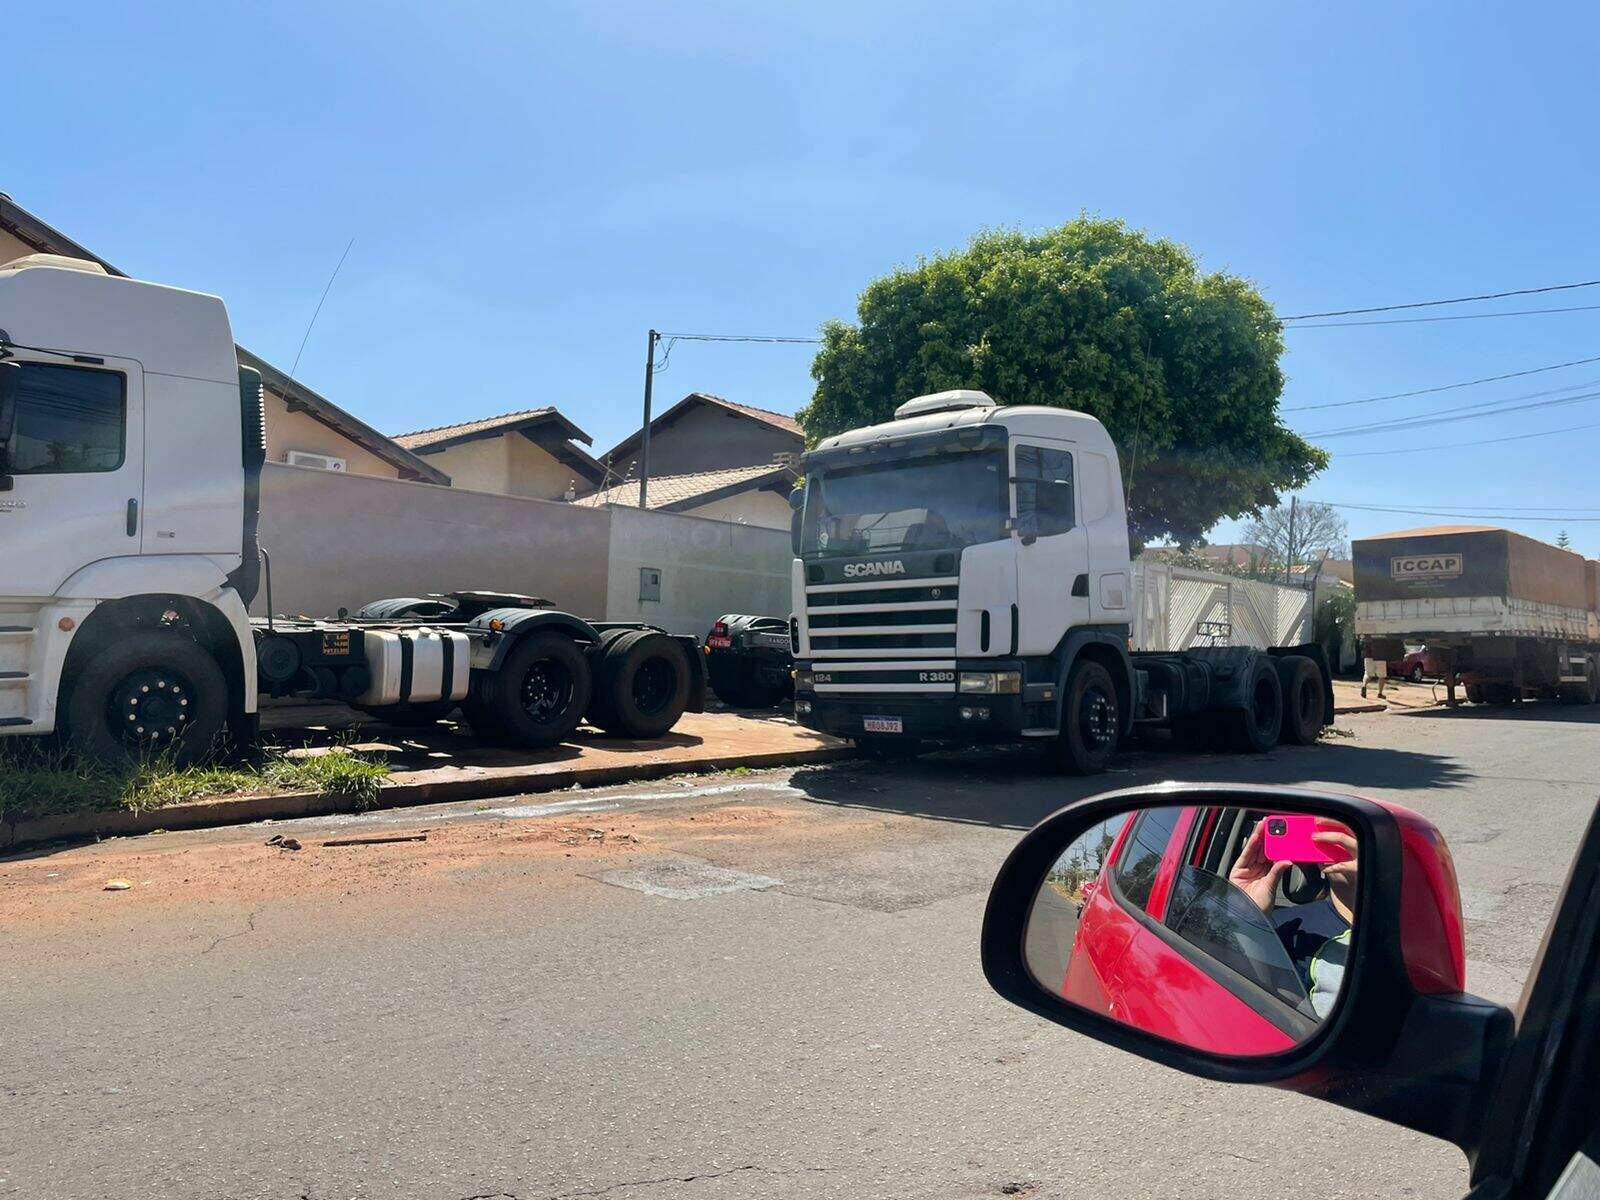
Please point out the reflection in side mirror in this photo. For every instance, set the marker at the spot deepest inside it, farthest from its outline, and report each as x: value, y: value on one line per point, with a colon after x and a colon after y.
x: 1223, y: 928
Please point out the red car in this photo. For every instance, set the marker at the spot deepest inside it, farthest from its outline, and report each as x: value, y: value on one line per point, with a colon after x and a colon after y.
x: 1416, y: 666
x: 1166, y: 943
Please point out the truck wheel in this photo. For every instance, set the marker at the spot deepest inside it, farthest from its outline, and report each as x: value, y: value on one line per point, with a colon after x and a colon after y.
x: 1089, y: 721
x: 641, y: 686
x: 1301, y: 685
x: 541, y: 690
x: 1474, y: 693
x: 150, y: 694
x: 1497, y: 693
x: 1255, y: 729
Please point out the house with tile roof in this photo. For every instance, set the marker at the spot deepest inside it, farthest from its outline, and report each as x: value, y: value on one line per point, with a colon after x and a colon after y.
x: 303, y: 428
x: 751, y: 495
x: 533, y: 452
x: 703, y: 433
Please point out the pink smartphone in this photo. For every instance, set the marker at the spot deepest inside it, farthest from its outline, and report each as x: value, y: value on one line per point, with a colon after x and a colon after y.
x: 1289, y: 839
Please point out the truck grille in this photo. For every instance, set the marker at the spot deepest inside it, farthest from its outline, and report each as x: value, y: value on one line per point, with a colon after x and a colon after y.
x: 868, y: 637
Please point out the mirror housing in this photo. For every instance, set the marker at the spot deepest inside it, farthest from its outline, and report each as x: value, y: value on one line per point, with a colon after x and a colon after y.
x: 1404, y: 1044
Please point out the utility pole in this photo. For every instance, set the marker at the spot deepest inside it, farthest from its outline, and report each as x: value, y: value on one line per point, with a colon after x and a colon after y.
x: 1288, y: 565
x: 644, y: 444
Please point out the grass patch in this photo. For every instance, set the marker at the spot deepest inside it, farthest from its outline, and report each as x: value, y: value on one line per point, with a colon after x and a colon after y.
x: 38, y: 779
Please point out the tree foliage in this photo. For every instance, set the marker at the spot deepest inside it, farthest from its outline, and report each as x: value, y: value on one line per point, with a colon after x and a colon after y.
x: 1180, y: 366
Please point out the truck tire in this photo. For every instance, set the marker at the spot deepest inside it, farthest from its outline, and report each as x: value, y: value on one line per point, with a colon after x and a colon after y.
x: 1255, y: 729
x: 1089, y: 721
x: 641, y: 685
x: 1301, y: 685
x: 540, y: 692
x: 1497, y: 693
x: 152, y: 694
x: 741, y: 685
x: 1474, y: 693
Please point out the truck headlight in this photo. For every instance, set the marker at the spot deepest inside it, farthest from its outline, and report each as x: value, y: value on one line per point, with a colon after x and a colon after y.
x: 990, y: 683
x: 805, y: 681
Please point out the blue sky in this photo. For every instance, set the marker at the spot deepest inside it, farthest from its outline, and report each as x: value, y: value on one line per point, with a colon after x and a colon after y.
x: 531, y: 186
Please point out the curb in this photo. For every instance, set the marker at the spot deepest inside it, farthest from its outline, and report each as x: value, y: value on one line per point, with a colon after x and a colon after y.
x: 1360, y: 708
x: 242, y: 810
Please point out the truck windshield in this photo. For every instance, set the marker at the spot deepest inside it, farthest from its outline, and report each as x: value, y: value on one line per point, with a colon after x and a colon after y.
x: 924, y: 503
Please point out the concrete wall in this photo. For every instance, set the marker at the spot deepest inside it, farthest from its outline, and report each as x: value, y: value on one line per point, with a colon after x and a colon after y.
x: 342, y: 540
x: 764, y: 509
x: 707, y: 568
x: 288, y: 431
x: 707, y: 438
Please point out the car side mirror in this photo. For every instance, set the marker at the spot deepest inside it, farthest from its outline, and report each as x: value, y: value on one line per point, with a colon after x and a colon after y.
x: 1255, y: 935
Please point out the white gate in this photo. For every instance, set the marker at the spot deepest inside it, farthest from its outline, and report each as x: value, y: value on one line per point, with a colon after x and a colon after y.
x: 1176, y: 608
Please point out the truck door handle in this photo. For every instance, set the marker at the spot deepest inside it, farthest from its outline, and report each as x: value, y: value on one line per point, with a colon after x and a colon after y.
x: 133, y: 518
x: 1080, y: 585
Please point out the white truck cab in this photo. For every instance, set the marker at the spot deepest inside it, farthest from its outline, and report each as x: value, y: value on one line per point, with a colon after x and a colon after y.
x: 124, y: 445
x: 962, y: 573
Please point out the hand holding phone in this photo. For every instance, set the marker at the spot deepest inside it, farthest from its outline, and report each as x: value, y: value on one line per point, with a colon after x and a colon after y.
x: 1293, y: 839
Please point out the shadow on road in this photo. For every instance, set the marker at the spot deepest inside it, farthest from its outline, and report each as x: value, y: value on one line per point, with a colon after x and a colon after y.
x: 1014, y: 788
x: 1530, y: 710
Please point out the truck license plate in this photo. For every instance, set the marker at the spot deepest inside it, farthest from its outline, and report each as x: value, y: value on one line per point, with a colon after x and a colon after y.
x: 883, y: 725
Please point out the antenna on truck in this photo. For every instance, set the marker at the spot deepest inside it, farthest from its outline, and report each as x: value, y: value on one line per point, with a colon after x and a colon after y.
x: 318, y: 311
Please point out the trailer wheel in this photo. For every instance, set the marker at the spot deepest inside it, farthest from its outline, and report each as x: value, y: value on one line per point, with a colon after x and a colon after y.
x: 539, y: 694
x: 149, y: 694
x: 1497, y: 693
x: 1255, y: 729
x: 1089, y: 721
x: 641, y: 685
x: 1301, y: 685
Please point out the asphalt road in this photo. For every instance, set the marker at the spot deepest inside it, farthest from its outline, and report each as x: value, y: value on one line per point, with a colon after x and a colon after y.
x: 761, y: 985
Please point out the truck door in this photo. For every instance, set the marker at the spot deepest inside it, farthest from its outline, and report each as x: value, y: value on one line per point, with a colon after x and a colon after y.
x: 71, y: 471
x: 1053, y: 558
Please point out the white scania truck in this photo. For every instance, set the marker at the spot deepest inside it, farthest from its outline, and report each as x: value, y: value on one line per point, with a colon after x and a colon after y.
x: 962, y: 574
x: 131, y: 449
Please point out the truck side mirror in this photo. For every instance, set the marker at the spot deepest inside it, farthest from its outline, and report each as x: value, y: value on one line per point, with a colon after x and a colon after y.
x: 797, y: 503
x: 10, y: 386
x: 797, y: 499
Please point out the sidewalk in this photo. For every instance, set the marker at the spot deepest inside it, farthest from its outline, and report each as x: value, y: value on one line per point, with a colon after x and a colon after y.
x: 440, y: 763
x: 1347, y: 696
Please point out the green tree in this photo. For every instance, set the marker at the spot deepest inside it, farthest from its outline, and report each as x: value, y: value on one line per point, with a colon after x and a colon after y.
x: 1563, y: 540
x: 1180, y: 366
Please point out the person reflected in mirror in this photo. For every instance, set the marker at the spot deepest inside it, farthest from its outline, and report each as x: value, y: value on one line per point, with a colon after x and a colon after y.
x: 1316, y: 934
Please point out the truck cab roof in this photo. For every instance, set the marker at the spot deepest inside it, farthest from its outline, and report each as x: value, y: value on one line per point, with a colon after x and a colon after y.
x: 1026, y: 420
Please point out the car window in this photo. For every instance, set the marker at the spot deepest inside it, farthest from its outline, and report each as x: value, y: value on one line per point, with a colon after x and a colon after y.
x: 1218, y: 919
x: 1140, y: 859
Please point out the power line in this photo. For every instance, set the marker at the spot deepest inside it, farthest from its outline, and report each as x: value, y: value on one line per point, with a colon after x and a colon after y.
x: 1350, y: 312
x: 1477, y: 516
x: 1462, y: 408
x: 1519, y: 437
x: 1537, y: 508
x: 1424, y: 421
x: 1447, y: 387
x: 1515, y: 312
x: 732, y: 337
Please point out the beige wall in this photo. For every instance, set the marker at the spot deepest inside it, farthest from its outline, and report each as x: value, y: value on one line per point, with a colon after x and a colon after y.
x: 344, y: 540
x: 510, y: 465
x: 288, y: 431
x: 765, y: 510
x: 12, y: 247
x: 708, y: 568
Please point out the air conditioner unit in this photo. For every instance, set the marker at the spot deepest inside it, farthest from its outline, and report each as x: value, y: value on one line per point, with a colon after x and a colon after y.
x: 317, y: 462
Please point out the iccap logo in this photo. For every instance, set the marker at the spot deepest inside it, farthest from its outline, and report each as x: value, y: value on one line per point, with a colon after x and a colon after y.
x: 1426, y: 566
x: 855, y: 570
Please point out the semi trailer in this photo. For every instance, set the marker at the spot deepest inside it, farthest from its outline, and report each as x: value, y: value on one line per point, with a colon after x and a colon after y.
x: 131, y: 449
x: 1505, y: 617
x: 962, y: 574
